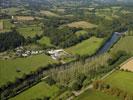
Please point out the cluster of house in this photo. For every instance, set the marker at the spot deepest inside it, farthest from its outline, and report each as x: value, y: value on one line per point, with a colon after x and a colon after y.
x: 56, y: 54
x: 20, y: 51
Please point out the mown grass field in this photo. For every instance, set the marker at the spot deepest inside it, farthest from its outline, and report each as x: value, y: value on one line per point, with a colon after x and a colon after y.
x: 124, y: 44
x: 45, y: 41
x: 86, y: 47
x: 8, y: 68
x: 81, y: 24
x: 30, y: 31
x: 95, y: 95
x: 122, y: 80
x: 40, y: 90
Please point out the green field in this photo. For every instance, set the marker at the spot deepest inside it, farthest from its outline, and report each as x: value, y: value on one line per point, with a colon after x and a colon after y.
x: 124, y: 44
x: 40, y: 90
x: 8, y: 67
x: 95, y: 95
x: 81, y: 32
x: 45, y: 41
x: 30, y: 31
x: 87, y: 47
x: 7, y: 25
x: 122, y: 80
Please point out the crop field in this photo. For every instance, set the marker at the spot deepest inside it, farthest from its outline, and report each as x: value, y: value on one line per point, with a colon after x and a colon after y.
x: 124, y: 44
x: 122, y: 80
x: 49, y: 13
x: 82, y: 24
x: 24, y: 18
x: 45, y: 41
x: 40, y: 90
x: 86, y: 47
x: 128, y: 65
x: 95, y: 95
x: 8, y: 68
x: 30, y: 31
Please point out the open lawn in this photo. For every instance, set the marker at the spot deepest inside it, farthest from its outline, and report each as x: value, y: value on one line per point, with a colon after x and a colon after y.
x: 8, y: 68
x: 82, y: 24
x: 128, y: 65
x: 95, y: 95
x: 86, y: 47
x: 122, y: 80
x: 45, y: 41
x: 40, y: 90
x: 30, y: 31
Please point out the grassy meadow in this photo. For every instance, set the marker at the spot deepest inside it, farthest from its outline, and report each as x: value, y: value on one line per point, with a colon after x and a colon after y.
x: 30, y: 30
x: 45, y: 41
x: 8, y: 68
x: 124, y: 44
x: 86, y: 47
x: 122, y: 80
x: 95, y: 95
x: 82, y: 24
x: 40, y: 90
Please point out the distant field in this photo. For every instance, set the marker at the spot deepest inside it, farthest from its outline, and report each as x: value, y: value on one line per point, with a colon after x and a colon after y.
x: 45, y: 41
x: 1, y: 26
x: 122, y: 80
x: 128, y: 65
x: 5, y: 25
x: 40, y: 90
x: 86, y: 47
x: 95, y: 95
x: 24, y: 18
x: 30, y: 30
x: 8, y: 68
x: 82, y: 24
x: 124, y: 44
x: 49, y: 13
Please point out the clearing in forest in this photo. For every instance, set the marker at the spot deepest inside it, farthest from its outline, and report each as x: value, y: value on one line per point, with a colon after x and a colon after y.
x: 24, y: 18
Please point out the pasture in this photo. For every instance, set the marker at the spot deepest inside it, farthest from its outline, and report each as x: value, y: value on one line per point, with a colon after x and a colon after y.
x: 122, y: 80
x: 45, y: 41
x: 8, y: 68
x: 40, y: 90
x: 49, y: 13
x: 5, y: 25
x: 127, y: 65
x: 124, y: 44
x: 81, y: 24
x: 86, y: 47
x: 30, y: 31
x: 95, y: 95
